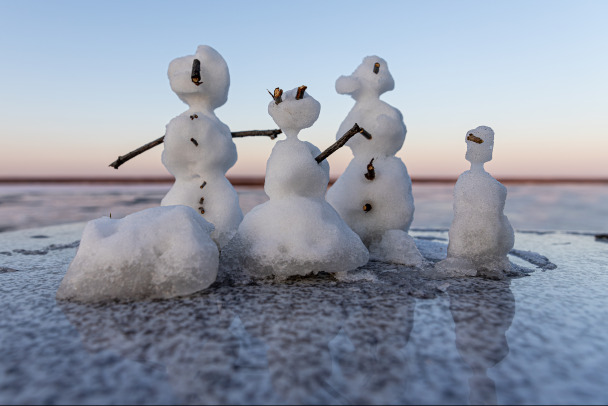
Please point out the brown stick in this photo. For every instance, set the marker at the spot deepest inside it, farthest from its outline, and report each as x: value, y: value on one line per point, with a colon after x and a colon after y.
x: 237, y: 134
x: 340, y: 143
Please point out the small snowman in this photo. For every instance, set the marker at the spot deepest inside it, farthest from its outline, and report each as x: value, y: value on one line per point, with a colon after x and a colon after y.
x: 480, y: 234
x: 296, y: 232
x: 374, y: 194
x: 198, y: 147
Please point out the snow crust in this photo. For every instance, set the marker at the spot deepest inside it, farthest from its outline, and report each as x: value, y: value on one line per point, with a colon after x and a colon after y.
x: 480, y: 235
x: 198, y: 147
x: 160, y: 252
x: 383, y: 228
x: 296, y: 232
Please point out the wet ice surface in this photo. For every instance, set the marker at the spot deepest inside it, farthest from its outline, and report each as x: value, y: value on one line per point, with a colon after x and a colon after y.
x: 381, y: 335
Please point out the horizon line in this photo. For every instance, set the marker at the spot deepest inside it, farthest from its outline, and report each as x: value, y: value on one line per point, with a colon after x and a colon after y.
x: 259, y: 180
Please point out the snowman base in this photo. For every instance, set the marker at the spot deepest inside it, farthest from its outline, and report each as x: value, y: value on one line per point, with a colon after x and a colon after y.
x: 462, y: 267
x: 396, y: 247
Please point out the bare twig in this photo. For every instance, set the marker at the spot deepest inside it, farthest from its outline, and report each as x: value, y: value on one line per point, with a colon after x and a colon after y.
x: 277, y: 95
x: 270, y: 133
x: 475, y: 139
x: 196, y: 72
x: 340, y: 143
x: 124, y: 158
x: 371, y: 171
x: 300, y: 93
x: 237, y: 134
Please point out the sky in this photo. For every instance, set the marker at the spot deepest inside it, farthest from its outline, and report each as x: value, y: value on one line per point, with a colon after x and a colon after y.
x: 82, y: 82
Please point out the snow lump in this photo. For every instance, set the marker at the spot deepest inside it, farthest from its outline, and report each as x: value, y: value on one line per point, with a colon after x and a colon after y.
x: 160, y: 252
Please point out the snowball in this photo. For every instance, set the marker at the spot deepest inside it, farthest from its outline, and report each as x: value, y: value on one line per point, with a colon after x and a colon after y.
x: 292, y: 170
x: 389, y: 194
x: 198, y: 147
x: 480, y: 235
x: 292, y: 115
x: 215, y: 77
x: 296, y: 236
x: 160, y: 252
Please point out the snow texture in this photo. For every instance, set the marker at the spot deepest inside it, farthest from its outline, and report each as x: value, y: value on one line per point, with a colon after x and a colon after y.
x: 480, y: 235
x: 296, y: 232
x: 160, y: 252
x: 384, y: 227
x: 199, y: 147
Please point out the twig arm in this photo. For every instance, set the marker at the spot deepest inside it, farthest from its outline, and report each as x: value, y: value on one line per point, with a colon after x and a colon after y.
x: 124, y: 158
x: 340, y: 143
x: 237, y: 134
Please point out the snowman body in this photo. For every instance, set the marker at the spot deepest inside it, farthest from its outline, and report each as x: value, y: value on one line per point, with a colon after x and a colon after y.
x: 198, y: 147
x: 296, y: 232
x: 480, y: 235
x: 378, y: 206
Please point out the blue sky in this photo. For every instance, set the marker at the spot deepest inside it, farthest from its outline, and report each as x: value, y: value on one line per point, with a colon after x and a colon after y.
x: 82, y: 82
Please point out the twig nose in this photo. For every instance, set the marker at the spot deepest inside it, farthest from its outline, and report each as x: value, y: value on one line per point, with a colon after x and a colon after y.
x: 196, y: 72
x: 475, y: 139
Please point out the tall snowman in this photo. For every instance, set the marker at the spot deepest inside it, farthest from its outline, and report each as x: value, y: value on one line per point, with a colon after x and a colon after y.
x: 296, y: 232
x: 480, y: 234
x: 374, y: 194
x: 198, y: 147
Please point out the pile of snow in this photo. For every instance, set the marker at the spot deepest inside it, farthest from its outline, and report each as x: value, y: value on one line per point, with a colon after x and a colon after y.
x: 377, y: 205
x: 198, y: 147
x: 160, y: 252
x: 480, y: 235
x: 296, y: 232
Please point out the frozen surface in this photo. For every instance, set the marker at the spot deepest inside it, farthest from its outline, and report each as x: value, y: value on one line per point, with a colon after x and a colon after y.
x: 161, y: 252
x: 378, y: 335
x: 374, y: 194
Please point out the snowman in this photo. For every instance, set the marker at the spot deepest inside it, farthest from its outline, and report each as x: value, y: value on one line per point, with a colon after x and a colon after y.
x: 480, y: 235
x: 198, y: 146
x: 296, y: 232
x: 374, y: 194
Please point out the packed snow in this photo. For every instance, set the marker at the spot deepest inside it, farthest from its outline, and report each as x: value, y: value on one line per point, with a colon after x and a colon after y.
x: 296, y: 232
x: 198, y: 147
x: 160, y: 252
x: 374, y: 194
x: 480, y: 235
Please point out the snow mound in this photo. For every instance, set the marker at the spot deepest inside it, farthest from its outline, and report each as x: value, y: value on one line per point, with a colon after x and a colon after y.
x: 160, y: 252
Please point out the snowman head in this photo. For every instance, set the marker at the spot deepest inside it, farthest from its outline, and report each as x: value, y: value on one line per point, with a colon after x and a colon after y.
x: 371, y: 78
x: 293, y: 114
x: 211, y: 87
x: 480, y: 143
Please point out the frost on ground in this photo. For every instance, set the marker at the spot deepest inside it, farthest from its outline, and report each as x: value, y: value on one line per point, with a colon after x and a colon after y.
x: 160, y: 252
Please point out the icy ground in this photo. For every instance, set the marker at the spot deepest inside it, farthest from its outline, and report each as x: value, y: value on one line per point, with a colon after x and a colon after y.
x: 377, y: 335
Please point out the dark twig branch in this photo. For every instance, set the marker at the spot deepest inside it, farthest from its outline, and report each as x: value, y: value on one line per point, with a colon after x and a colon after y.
x: 237, y: 134
x: 340, y: 143
x: 300, y: 93
x: 371, y: 171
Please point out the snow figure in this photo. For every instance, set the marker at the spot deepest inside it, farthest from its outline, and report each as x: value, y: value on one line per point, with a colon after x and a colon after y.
x: 198, y: 146
x: 480, y: 234
x: 156, y: 253
x: 374, y: 194
x: 296, y: 232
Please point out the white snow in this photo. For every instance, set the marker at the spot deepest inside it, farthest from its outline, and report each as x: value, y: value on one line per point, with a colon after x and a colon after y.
x: 199, y: 147
x: 480, y: 235
x: 296, y: 232
x: 160, y: 252
x: 387, y: 197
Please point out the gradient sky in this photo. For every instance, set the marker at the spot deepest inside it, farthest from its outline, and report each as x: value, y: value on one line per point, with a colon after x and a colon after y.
x: 82, y: 82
